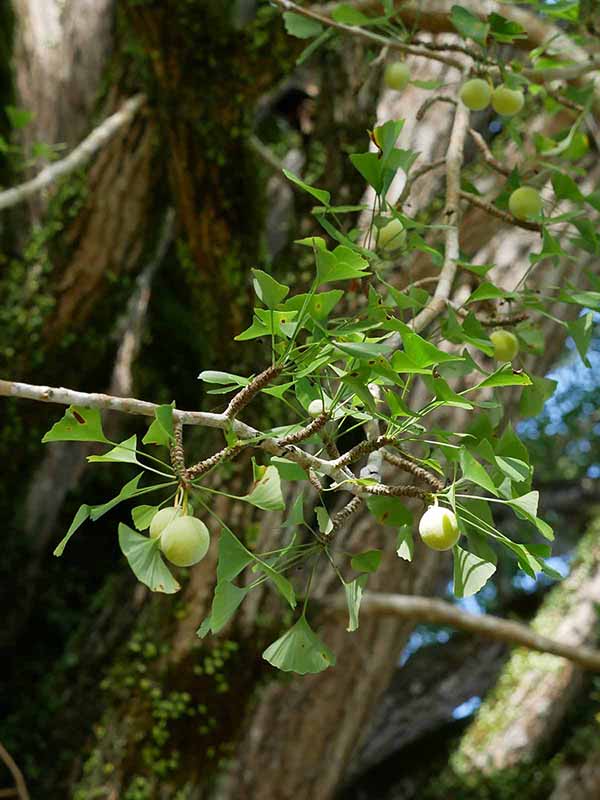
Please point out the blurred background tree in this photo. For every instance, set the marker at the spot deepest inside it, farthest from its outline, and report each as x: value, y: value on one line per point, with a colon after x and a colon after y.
x: 133, y: 275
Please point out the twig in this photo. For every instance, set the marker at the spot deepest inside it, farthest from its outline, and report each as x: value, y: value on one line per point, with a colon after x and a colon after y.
x: 342, y: 516
x: 363, y: 449
x: 567, y: 73
x: 438, y: 98
x: 202, y: 467
x: 267, y: 155
x: 455, y: 48
x: 314, y: 480
x: 330, y: 445
x: 306, y: 432
x: 77, y: 158
x: 14, y: 770
x: 243, y: 398
x: 413, y: 176
x: 440, y: 612
x: 502, y: 320
x: 497, y: 212
x: 367, y: 35
x: 176, y: 452
x: 454, y: 159
x: 487, y: 153
x: 403, y: 490
x: 404, y: 463
x: 421, y: 282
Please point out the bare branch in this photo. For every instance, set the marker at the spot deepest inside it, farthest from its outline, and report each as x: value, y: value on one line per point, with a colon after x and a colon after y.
x: 439, y: 612
x: 438, y: 98
x: 20, y: 785
x: 454, y: 160
x: 413, y: 176
x: 487, y: 153
x: 503, y: 215
x: 77, y: 158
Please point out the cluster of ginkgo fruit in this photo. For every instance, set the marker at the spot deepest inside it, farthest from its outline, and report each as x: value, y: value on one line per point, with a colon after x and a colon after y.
x: 183, y: 539
x: 438, y: 526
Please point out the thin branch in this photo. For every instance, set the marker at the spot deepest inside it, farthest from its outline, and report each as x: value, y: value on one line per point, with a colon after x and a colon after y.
x: 567, y: 73
x: 503, y: 215
x: 177, y: 453
x: 243, y: 398
x: 314, y: 480
x: 404, y: 463
x: 363, y: 449
x: 438, y: 98
x: 131, y: 326
x: 487, y: 153
x: 342, y: 516
x: 20, y: 785
x: 439, y: 612
x: 402, y: 490
x: 202, y: 467
x: 308, y: 431
x: 268, y: 156
x: 413, y: 176
x: 369, y: 36
x: 77, y: 158
x: 421, y: 282
x: 502, y: 320
x: 454, y: 160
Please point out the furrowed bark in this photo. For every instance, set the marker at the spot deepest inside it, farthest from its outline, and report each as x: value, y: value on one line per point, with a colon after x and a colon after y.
x: 534, y: 691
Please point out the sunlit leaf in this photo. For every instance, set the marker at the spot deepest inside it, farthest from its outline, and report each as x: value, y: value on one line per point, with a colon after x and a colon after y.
x: 299, y: 650
x: 80, y: 517
x: 471, y: 572
x: 79, y: 424
x: 145, y: 560
x: 126, y: 452
x: 266, y: 492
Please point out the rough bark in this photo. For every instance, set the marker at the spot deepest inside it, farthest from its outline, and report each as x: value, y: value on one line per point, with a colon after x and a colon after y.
x: 578, y: 782
x: 534, y: 691
x: 300, y: 737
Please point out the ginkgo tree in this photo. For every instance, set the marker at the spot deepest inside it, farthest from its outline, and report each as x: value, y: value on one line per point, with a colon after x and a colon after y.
x: 328, y: 370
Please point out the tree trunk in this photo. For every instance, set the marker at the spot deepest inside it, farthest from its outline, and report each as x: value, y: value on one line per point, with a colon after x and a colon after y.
x: 535, y: 691
x: 172, y: 711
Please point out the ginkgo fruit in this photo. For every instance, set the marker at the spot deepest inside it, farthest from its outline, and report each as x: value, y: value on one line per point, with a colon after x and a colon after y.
x: 185, y: 541
x: 525, y: 202
x: 476, y: 94
x: 163, y: 518
x: 396, y: 75
x: 391, y: 236
x: 507, y: 102
x: 438, y: 528
x: 506, y: 345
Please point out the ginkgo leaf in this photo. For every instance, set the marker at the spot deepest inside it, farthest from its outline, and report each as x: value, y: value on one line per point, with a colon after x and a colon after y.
x: 299, y: 650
